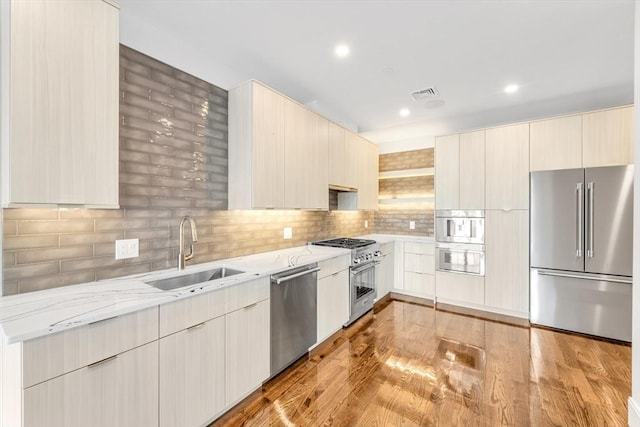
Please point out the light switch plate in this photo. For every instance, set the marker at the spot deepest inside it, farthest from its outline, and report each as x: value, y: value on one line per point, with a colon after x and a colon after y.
x: 412, y: 225
x: 128, y: 248
x: 288, y: 232
x: 366, y: 224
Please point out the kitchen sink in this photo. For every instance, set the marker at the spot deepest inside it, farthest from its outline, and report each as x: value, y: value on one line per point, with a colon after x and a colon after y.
x: 193, y: 278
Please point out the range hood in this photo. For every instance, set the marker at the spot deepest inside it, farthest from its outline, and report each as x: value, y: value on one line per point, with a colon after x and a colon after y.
x: 342, y: 198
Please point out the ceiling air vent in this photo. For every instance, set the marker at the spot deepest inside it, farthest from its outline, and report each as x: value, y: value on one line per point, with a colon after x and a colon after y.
x: 428, y: 92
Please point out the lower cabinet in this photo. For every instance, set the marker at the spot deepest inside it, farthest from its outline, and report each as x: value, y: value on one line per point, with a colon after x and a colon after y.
x: 418, y: 268
x: 192, y: 374
x: 247, y: 350
x: 333, y: 303
x: 119, y: 391
x: 460, y: 289
x: 385, y: 270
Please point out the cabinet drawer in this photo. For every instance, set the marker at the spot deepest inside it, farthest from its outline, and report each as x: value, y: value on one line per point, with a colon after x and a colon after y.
x: 416, y: 263
x: 419, y: 248
x: 53, y: 355
x: 459, y: 288
x: 331, y: 266
x: 387, y: 248
x: 245, y: 294
x: 419, y: 284
x: 184, y: 313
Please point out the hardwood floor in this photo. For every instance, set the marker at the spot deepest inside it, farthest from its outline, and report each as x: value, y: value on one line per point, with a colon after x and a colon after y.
x: 411, y: 365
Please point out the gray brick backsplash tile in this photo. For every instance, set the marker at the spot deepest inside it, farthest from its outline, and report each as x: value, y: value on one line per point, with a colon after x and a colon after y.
x: 159, y: 233
x: 123, y: 270
x: 130, y: 178
x: 143, y: 59
x: 170, y: 203
x: 31, y: 270
x: 50, y: 226
x: 169, y: 81
x: 134, y: 111
x: 30, y: 213
x: 57, y: 280
x: 10, y: 287
x: 170, y: 101
x: 146, y: 82
x: 134, y: 202
x: 191, y: 117
x: 104, y: 249
x: 142, y: 190
x: 147, y: 213
x: 122, y: 224
x: 135, y: 134
x: 40, y: 255
x: 145, y: 147
x: 90, y: 264
x: 134, y: 156
x: 8, y: 259
x: 144, y: 169
x: 143, y: 102
x: 74, y: 213
x: 135, y: 66
x: 30, y: 242
x: 10, y: 228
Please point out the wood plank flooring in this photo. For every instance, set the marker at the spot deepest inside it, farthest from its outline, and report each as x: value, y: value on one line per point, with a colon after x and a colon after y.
x: 411, y: 365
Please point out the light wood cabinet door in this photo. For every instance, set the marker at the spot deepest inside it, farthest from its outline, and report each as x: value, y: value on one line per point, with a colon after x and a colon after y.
x: 192, y: 373
x: 608, y: 137
x: 447, y: 176
x: 507, y: 167
x: 385, y: 270
x: 306, y: 158
x: 460, y: 289
x: 63, y: 114
x: 352, y: 153
x: 419, y: 284
x: 507, y: 261
x: 337, y: 153
x: 246, y: 350
x: 368, y: 173
x: 333, y: 303
x: 121, y: 391
x: 472, y: 152
x: 556, y: 144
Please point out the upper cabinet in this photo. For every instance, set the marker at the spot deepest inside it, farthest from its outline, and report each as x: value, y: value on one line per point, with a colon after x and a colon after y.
x: 600, y: 138
x: 60, y: 118
x: 607, y: 137
x: 284, y: 156
x: 278, y: 152
x: 460, y: 170
x: 556, y: 144
x: 507, y: 167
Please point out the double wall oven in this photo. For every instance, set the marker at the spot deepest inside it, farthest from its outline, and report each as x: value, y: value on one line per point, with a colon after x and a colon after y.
x: 460, y: 241
x: 365, y: 254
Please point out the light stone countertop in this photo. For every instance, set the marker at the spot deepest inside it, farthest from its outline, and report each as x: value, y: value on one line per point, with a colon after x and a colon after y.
x: 35, y: 314
x: 384, y: 238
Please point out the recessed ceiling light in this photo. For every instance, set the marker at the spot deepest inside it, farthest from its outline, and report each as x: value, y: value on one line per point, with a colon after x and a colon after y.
x: 342, y: 50
x: 404, y: 112
x: 511, y: 89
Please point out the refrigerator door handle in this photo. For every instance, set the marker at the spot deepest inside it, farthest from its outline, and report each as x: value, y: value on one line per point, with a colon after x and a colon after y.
x: 579, y: 220
x: 585, y: 277
x: 590, y: 194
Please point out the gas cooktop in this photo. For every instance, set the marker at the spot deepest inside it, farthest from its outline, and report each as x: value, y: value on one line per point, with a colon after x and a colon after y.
x: 345, y: 242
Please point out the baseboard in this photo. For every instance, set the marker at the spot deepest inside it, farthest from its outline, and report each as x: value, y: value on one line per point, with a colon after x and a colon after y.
x: 411, y: 299
x: 488, y: 315
x: 634, y: 413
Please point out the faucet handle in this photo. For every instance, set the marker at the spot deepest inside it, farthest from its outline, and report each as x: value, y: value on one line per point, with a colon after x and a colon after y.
x: 189, y: 256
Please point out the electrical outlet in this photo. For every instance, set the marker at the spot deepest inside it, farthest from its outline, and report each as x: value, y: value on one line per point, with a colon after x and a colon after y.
x: 127, y: 249
x: 366, y: 224
x: 412, y: 225
x: 288, y: 232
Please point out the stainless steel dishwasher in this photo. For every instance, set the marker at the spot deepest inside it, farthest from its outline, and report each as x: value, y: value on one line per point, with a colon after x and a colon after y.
x: 293, y: 315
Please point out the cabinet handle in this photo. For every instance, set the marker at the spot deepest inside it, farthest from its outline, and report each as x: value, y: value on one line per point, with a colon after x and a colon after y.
x: 336, y: 273
x: 251, y: 306
x: 194, y: 327
x: 102, y: 320
x: 103, y: 361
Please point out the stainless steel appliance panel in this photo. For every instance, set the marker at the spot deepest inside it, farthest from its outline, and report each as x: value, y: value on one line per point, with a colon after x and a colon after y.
x: 609, y: 220
x: 557, y: 219
x: 362, y: 290
x: 293, y: 315
x: 459, y: 257
x: 460, y: 226
x: 591, y: 304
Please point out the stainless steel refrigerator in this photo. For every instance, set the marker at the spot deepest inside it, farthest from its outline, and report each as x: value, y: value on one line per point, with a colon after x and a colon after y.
x: 581, y: 250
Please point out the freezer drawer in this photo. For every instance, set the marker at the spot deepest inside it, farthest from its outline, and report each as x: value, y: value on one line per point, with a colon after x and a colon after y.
x: 586, y: 303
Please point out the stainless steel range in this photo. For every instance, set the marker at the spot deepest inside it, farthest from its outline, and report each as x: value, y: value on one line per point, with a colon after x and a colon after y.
x: 365, y: 254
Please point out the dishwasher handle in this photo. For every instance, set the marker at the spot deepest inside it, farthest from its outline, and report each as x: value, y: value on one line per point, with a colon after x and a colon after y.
x: 280, y: 280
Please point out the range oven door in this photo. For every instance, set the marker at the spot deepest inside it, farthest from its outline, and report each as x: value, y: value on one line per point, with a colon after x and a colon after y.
x: 460, y: 258
x: 362, y: 290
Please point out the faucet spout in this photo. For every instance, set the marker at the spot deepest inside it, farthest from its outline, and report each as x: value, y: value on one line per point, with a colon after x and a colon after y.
x: 182, y: 256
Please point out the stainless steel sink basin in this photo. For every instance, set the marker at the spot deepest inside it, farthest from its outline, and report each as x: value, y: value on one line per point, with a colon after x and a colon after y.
x: 193, y: 278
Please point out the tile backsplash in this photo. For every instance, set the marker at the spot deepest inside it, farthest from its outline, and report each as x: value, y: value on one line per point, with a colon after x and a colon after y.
x: 173, y: 162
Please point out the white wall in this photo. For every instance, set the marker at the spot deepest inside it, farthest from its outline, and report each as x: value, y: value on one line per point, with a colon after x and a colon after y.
x: 410, y: 144
x: 634, y: 400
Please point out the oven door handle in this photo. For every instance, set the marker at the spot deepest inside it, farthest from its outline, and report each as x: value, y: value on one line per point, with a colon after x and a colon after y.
x: 364, y: 267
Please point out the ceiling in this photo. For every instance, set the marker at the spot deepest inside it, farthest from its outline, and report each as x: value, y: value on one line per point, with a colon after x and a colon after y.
x: 566, y: 56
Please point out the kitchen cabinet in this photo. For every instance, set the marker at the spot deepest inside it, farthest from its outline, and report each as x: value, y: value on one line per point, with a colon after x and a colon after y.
x: 507, y: 167
x: 368, y: 174
x: 337, y: 156
x: 352, y: 153
x: 460, y: 171
x: 507, y: 262
x: 306, y: 151
x: 466, y: 290
x: 385, y: 270
x: 60, y: 118
x: 447, y: 166
x: 472, y: 170
x: 246, y: 350
x: 419, y: 269
x: 608, y: 137
x: 556, y: 144
x: 118, y: 391
x: 333, y: 296
x: 192, y: 374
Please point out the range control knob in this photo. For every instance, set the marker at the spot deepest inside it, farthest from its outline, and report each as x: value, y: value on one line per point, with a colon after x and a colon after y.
x: 377, y: 254
x: 357, y: 260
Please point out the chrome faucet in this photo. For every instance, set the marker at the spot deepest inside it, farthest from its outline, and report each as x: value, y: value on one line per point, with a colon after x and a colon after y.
x: 182, y: 257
